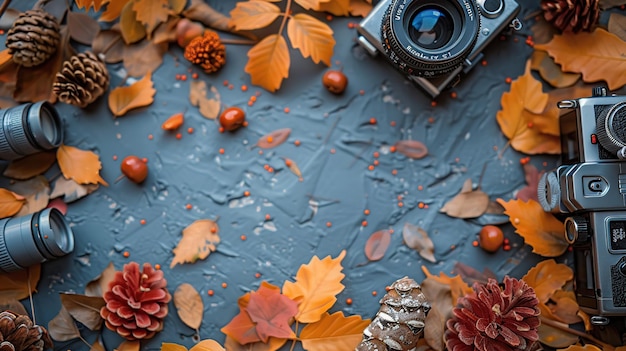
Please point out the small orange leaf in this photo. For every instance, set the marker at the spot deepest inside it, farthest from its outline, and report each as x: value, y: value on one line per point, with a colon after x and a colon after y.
x: 250, y: 15
x: 199, y: 239
x: 540, y: 229
x: 377, y: 244
x: 174, y: 122
x: 151, y: 13
x: 274, y: 138
x: 547, y: 277
x: 467, y: 203
x: 293, y: 167
x: 312, y: 37
x: 10, y: 203
x: 411, y: 148
x: 316, y: 287
x: 209, y: 107
x: 80, y: 165
x: 333, y: 332
x: 268, y: 62
x: 139, y: 94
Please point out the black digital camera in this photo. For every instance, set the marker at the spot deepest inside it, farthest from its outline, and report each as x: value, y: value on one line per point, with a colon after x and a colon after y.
x: 590, y: 189
x: 435, y: 42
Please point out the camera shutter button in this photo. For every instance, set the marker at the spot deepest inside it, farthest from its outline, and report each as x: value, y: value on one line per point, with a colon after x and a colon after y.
x: 611, y: 128
x: 491, y: 8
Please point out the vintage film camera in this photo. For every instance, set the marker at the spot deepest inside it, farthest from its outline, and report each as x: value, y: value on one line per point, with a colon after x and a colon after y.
x: 435, y: 42
x: 590, y: 189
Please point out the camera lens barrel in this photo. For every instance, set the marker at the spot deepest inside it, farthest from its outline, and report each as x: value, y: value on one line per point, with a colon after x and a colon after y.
x: 29, y: 128
x: 35, y: 238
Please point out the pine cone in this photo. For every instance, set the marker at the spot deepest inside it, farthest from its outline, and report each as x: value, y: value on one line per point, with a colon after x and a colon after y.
x: 208, y: 51
x: 82, y: 80
x: 136, y: 302
x: 494, y: 319
x: 18, y: 333
x: 399, y: 322
x: 572, y: 15
x: 33, y: 38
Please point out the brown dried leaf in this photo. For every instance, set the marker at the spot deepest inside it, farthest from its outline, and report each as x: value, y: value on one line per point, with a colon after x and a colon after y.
x: 10, y: 203
x: 541, y: 62
x: 144, y: 57
x: 189, y: 306
x: 312, y: 37
x: 468, y: 203
x: 132, y: 30
x: 531, y: 175
x: 19, y: 285
x: 440, y: 297
x: 607, y: 4
x: 100, y: 284
x: 85, y: 309
x: 80, y: 165
x: 109, y: 43
x: 250, y: 15
x: 411, y: 148
x: 71, y: 190
x: 62, y: 326
x: 166, y: 32
x: 417, y: 239
x: 199, y: 239
x: 617, y: 25
x: 471, y: 275
x: 274, y: 138
x: 12, y: 305
x: 563, y: 307
x: 268, y: 62
x: 458, y: 287
x: 30, y: 166
x: 8, y: 17
x: 555, y: 338
x: 139, y: 94
x: 37, y: 193
x: 200, y: 11
x: 151, y: 13
x: 82, y: 27
x: 208, y: 107
x: 377, y: 244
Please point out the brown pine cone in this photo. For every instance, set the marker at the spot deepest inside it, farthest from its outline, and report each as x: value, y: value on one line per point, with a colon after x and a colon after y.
x: 208, y: 51
x: 33, y: 38
x: 572, y: 15
x: 18, y: 333
x: 136, y: 302
x: 83, y: 79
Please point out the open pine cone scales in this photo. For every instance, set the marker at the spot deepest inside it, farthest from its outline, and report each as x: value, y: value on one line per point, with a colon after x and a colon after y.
x: 572, y: 15
x: 33, y: 38
x: 83, y: 79
x: 18, y: 333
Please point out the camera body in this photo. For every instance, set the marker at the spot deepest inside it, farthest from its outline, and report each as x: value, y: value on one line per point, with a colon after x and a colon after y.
x: 589, y: 188
x: 435, y: 42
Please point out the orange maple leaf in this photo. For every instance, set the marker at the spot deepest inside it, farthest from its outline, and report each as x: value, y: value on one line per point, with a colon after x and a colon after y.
x: 87, y: 4
x: 151, y: 13
x: 547, y: 277
x: 334, y: 332
x: 250, y: 15
x: 458, y: 287
x: 10, y: 203
x: 312, y: 37
x: 139, y: 94
x: 268, y: 62
x: 317, y: 284
x: 597, y: 55
x: 199, y: 239
x: 540, y: 229
x: 81, y: 165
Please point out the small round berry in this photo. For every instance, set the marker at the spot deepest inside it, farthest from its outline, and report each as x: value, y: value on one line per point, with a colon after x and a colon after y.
x: 134, y: 168
x: 491, y: 238
x: 232, y: 118
x: 335, y: 81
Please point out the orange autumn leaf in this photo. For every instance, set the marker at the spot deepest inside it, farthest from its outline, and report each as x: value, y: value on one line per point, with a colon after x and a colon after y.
x: 199, y: 239
x: 317, y: 284
x: 87, y: 4
x: 597, y: 55
x: 151, y: 13
x: 113, y: 10
x: 10, y: 203
x: 268, y: 62
x: 333, y: 332
x: 336, y: 7
x: 458, y: 288
x: 132, y: 30
x: 547, y: 277
x: 312, y: 37
x: 204, y: 345
x: 540, y: 229
x: 588, y: 347
x: 139, y: 94
x: 311, y: 4
x: 80, y: 165
x: 19, y: 285
x: 250, y: 15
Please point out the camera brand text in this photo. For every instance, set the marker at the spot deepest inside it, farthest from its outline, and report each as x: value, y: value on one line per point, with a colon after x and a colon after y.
x: 421, y: 55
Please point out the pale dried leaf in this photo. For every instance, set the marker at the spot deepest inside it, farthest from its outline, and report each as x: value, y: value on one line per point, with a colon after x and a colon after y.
x: 199, y: 239
x: 467, y: 204
x: 36, y: 191
x: 417, y: 239
x: 143, y: 57
x: 617, y: 25
x: 70, y: 190
x: 30, y: 166
x: 85, y: 309
x: 206, y: 99
x: 13, y: 305
x: 189, y: 306
x: 62, y: 327
x: 100, y: 284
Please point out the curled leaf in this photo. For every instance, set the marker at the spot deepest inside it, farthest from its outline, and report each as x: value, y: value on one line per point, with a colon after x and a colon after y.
x: 468, y: 203
x: 377, y: 244
x: 173, y: 122
x: 274, y: 138
x: 417, y: 239
x: 139, y: 94
x: 268, y: 62
x: 80, y: 165
x: 199, y: 239
x: 199, y: 96
x: 189, y: 306
x: 10, y: 203
x: 412, y: 148
x: 30, y: 166
x: 199, y: 10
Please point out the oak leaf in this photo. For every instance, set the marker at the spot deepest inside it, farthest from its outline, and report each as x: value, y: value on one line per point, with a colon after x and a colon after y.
x: 547, y: 277
x: 597, y: 55
x: 30, y: 166
x: 272, y: 312
x: 10, y: 203
x: 85, y: 309
x: 19, y: 284
x: 458, y: 288
x: 333, y: 332
x: 268, y: 62
x: 139, y: 94
x: 199, y: 239
x: 151, y: 13
x: 189, y: 306
x: 377, y: 244
x: 467, y: 203
x: 254, y: 14
x: 132, y: 30
x: 312, y: 37
x: 317, y: 284
x: 540, y: 229
x: 80, y: 165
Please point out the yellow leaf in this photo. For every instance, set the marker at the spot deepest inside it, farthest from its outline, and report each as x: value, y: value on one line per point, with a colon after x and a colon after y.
x: 113, y: 10
x: 10, y: 203
x: 597, y: 55
x: 19, y: 284
x: 132, y: 30
x: 540, y: 229
x: 547, y: 277
x: 333, y: 332
x: 317, y: 284
x: 268, y: 62
x: 139, y: 94
x: 167, y: 346
x: 189, y: 305
x: 80, y: 165
x: 336, y: 7
x: 151, y: 13
x: 199, y: 239
x: 254, y: 14
x: 207, y: 345
x: 312, y: 37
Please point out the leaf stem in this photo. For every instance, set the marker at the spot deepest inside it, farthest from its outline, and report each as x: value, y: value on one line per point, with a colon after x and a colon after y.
x: 30, y: 295
x: 4, y: 6
x: 564, y: 327
x: 284, y: 21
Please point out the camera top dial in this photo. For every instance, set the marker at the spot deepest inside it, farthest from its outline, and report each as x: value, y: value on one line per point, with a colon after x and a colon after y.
x: 611, y: 128
x: 428, y: 38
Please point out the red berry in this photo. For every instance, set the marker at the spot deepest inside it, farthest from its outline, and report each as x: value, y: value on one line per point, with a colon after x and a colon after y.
x: 491, y: 238
x: 134, y: 168
x: 335, y: 81
x: 232, y: 118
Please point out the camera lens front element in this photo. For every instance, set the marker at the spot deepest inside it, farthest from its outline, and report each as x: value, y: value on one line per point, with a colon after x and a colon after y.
x: 431, y: 28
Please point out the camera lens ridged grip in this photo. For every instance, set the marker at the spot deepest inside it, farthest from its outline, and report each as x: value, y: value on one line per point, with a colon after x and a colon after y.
x: 6, y: 262
x: 548, y: 192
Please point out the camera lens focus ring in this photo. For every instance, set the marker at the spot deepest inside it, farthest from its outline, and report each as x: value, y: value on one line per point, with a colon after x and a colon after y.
x: 611, y: 128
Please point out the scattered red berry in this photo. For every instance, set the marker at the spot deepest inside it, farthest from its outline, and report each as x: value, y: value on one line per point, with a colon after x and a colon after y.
x: 335, y: 81
x: 232, y: 118
x: 134, y: 168
x: 490, y: 238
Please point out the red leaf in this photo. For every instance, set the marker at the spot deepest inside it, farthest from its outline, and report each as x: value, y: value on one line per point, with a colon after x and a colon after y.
x: 532, y: 175
x: 412, y: 148
x: 242, y: 328
x: 274, y: 138
x: 377, y: 245
x: 271, y: 311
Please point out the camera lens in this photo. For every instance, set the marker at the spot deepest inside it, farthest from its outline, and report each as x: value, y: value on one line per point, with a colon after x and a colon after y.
x: 428, y: 38
x: 29, y: 128
x: 32, y: 239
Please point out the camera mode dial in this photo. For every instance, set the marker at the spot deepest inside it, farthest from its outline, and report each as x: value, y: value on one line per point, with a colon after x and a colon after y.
x: 549, y: 192
x: 611, y: 128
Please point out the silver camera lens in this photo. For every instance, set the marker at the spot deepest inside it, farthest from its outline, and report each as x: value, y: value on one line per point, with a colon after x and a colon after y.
x: 29, y: 128
x: 32, y: 239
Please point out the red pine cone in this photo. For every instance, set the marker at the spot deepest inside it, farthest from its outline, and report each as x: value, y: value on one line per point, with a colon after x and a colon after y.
x: 572, y: 15
x: 136, y: 302
x: 208, y: 51
x: 491, y: 319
